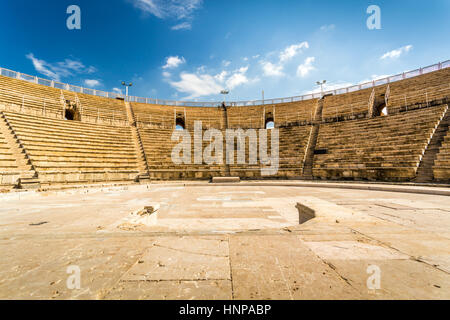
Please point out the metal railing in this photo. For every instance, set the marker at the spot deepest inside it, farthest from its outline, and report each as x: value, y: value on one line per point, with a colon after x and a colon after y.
x: 28, y: 105
x: 114, y: 95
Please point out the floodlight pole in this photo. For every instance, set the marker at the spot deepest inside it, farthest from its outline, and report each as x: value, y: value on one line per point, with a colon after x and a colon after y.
x: 225, y: 92
x: 127, y: 85
x: 321, y: 83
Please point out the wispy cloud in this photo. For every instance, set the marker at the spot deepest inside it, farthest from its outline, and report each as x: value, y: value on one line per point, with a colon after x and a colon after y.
x: 171, y: 9
x: 330, y: 86
x: 182, y: 26
x: 327, y: 27
x: 92, y: 83
x: 375, y: 77
x: 394, y: 54
x: 58, y: 70
x: 173, y: 62
x: 118, y: 91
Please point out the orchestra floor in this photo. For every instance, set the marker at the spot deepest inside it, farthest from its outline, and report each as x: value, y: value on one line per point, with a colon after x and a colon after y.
x: 240, y: 241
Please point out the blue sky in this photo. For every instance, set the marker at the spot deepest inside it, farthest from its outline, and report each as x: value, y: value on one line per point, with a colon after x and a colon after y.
x: 191, y: 49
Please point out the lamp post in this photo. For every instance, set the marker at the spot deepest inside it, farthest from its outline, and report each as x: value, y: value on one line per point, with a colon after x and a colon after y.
x: 127, y: 85
x: 224, y: 92
x: 321, y: 83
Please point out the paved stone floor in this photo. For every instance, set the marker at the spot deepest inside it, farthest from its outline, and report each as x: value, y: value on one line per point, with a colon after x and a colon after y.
x: 224, y: 242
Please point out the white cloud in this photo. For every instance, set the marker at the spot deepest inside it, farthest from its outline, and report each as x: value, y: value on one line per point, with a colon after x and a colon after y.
x: 201, y: 69
x: 271, y: 69
x: 182, y: 26
x: 166, y: 74
x: 177, y: 9
x: 171, y: 9
x: 118, y: 91
x: 197, y: 85
x: 57, y: 71
x: 306, y: 67
x: 327, y: 27
x: 92, y: 83
x: 394, y: 54
x: 375, y: 77
x: 221, y: 76
x: 291, y: 51
x: 276, y: 69
x: 237, y: 78
x: 202, y: 84
x: 226, y: 63
x: 330, y: 87
x: 173, y: 62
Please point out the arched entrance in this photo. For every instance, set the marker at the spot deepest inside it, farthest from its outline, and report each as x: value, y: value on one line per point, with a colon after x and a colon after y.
x: 269, y: 121
x: 180, y: 124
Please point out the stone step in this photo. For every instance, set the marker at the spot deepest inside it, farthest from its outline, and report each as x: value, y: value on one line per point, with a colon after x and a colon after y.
x: 226, y: 180
x: 29, y: 183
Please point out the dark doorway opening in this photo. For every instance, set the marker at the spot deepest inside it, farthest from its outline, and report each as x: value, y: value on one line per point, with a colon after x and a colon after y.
x: 270, y: 122
x: 380, y: 110
x: 69, y: 114
x: 180, y: 124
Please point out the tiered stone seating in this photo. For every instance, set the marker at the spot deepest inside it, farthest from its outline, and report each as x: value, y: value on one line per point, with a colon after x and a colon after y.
x: 246, y: 117
x: 36, y: 98
x: 293, y: 142
x: 345, y: 105
x: 158, y: 148
x: 441, y: 169
x: 64, y: 151
x: 419, y: 89
x: 298, y: 112
x: 292, y: 147
x: 411, y: 91
x: 383, y: 148
x: 9, y: 171
x: 104, y: 108
x: 160, y: 116
x: 211, y: 117
x: 153, y: 115
x: 46, y: 101
x: 295, y: 112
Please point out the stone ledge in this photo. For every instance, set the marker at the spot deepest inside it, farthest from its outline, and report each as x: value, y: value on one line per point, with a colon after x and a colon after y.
x: 226, y: 180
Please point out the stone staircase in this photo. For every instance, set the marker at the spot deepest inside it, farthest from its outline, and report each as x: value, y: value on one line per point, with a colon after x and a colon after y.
x: 73, y: 152
x: 28, y: 177
x: 309, y: 155
x: 425, y: 170
x: 386, y: 148
x: 141, y: 156
x: 307, y: 172
x: 225, y: 127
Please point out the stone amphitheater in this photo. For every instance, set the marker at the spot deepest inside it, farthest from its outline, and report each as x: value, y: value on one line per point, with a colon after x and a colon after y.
x: 358, y: 209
